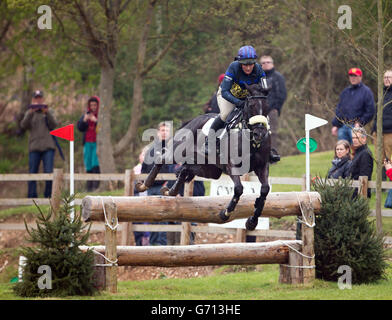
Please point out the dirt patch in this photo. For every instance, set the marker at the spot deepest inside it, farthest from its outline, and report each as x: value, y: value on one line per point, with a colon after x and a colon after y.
x: 16, y: 239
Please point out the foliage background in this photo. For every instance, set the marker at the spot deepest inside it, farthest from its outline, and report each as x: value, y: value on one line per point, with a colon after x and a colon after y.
x: 301, y: 35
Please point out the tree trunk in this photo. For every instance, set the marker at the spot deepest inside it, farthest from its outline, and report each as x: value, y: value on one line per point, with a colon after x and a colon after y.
x: 104, y: 143
x: 127, y: 141
x: 379, y: 155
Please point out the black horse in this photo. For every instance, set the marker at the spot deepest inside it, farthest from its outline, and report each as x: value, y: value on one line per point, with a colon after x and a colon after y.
x: 248, y: 131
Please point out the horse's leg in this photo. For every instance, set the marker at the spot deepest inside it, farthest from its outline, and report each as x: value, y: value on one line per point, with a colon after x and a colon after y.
x: 251, y: 223
x: 238, y: 190
x: 174, y: 190
x: 143, y: 186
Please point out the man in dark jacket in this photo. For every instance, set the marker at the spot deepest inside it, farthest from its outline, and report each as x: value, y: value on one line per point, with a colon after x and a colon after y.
x: 362, y: 163
x: 355, y: 108
x: 386, y: 116
x: 40, y: 120
x: 276, y: 97
x: 163, y: 135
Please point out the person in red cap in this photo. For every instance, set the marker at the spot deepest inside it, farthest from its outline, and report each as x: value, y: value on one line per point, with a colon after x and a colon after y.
x: 212, y: 105
x: 356, y: 107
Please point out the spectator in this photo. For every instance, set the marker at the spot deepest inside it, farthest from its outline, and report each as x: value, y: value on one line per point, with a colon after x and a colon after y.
x: 342, y: 161
x: 388, y: 167
x: 88, y: 125
x: 386, y: 117
x: 362, y: 162
x: 40, y: 120
x: 141, y: 238
x: 276, y: 97
x: 355, y: 108
x: 163, y: 135
x: 212, y: 105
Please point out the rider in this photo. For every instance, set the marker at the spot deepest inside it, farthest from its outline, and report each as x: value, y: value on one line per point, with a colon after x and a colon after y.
x: 232, y: 91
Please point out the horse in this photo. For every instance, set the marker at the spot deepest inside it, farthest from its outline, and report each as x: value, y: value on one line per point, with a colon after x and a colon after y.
x: 253, y: 120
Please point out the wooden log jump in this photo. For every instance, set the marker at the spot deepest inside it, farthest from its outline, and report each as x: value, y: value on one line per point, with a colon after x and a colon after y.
x: 196, y: 209
x: 276, y: 252
x: 296, y: 258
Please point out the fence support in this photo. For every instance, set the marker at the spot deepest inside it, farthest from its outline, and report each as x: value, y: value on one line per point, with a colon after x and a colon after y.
x: 308, y: 261
x: 186, y: 226
x: 363, y: 186
x: 127, y: 237
x: 58, y: 178
x: 111, y: 247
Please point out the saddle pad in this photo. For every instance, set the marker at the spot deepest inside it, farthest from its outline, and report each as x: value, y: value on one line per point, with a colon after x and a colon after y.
x: 207, y: 126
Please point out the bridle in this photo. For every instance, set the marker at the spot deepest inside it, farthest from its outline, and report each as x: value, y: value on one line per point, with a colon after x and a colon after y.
x: 256, y: 121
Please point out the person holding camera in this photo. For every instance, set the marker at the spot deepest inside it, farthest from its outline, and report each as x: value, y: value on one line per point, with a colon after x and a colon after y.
x: 88, y: 125
x: 40, y: 120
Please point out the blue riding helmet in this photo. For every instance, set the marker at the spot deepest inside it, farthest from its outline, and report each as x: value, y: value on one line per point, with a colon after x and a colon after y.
x: 246, y: 55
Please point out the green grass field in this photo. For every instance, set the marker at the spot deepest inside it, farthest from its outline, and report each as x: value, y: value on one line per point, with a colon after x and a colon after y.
x: 259, y: 284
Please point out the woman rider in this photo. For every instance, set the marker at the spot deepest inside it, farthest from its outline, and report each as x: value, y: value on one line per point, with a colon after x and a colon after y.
x: 232, y: 91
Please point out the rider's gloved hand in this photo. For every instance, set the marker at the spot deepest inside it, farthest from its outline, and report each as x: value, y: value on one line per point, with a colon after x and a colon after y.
x: 241, y: 105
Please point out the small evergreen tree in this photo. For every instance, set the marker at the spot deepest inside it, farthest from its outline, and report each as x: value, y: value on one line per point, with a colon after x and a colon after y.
x: 345, y: 236
x: 58, y: 242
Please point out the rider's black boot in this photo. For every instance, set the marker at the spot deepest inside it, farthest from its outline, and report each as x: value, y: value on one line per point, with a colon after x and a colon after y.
x: 274, y: 156
x: 216, y: 125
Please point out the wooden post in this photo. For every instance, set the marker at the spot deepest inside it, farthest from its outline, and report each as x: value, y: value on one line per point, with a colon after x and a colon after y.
x: 309, y: 271
x: 290, y: 273
x: 186, y: 226
x: 127, y: 237
x: 363, y: 186
x: 99, y: 274
x: 111, y: 247
x: 56, y: 189
x: 240, y: 235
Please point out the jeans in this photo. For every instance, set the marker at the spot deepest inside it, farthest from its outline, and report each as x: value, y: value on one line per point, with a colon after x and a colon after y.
x: 35, y: 158
x: 157, y: 238
x: 344, y: 133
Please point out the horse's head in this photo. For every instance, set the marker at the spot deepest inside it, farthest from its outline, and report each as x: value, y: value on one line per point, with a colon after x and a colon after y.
x: 255, y: 112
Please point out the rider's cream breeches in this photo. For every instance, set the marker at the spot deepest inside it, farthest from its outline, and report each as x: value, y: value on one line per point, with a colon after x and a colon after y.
x: 225, y: 106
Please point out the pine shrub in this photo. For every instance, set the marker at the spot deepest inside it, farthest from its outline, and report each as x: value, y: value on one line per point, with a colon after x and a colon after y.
x: 57, y: 244
x: 345, y: 236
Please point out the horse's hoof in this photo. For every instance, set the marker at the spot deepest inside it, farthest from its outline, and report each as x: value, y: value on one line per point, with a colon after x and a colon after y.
x: 165, y: 191
x: 224, y: 215
x: 251, y: 224
x: 140, y: 187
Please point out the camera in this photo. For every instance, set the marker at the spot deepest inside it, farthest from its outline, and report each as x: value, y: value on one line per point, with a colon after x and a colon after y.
x: 38, y: 107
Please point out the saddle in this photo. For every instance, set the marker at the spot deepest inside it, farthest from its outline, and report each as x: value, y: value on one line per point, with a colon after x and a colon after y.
x: 234, y: 118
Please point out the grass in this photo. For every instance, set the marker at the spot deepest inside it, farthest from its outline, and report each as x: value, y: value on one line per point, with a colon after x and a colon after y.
x: 261, y: 284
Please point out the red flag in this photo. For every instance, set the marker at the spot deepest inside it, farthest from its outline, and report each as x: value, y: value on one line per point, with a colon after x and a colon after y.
x: 66, y: 132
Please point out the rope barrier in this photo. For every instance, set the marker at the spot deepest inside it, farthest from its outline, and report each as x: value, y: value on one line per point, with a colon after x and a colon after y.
x: 304, y: 221
x: 300, y: 253
x: 106, y: 220
x: 111, y: 263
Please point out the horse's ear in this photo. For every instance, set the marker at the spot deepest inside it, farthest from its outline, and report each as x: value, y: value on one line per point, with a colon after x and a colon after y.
x: 247, y: 86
